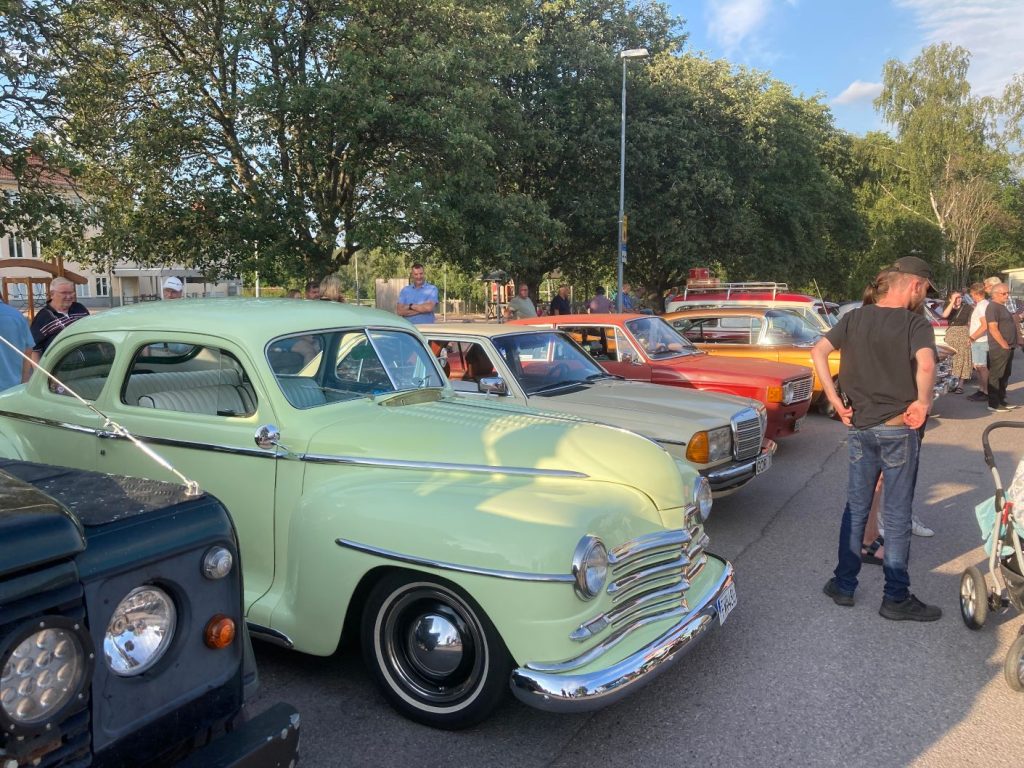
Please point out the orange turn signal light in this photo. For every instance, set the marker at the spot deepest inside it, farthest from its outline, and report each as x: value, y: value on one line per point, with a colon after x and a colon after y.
x: 219, y: 632
x: 774, y: 395
x: 698, y: 451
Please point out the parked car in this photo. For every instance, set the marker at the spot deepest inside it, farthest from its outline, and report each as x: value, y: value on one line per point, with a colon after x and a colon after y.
x: 645, y: 348
x: 471, y: 546
x: 817, y: 312
x: 722, y: 436
x: 122, y: 640
x: 762, y: 333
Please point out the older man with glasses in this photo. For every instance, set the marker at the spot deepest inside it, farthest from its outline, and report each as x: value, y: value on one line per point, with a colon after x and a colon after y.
x: 1003, y: 337
x: 60, y: 311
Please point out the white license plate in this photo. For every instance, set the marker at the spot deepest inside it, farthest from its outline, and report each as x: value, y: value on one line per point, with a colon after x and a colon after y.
x: 763, y: 462
x: 726, y: 603
x: 798, y: 423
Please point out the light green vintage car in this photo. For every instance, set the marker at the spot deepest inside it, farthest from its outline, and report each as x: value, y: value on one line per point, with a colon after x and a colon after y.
x: 471, y: 545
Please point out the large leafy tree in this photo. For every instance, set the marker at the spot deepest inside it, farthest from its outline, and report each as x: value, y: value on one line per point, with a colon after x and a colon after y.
x: 276, y: 135
x: 953, y: 163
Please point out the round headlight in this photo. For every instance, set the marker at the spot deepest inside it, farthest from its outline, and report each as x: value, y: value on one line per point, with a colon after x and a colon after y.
x: 42, y: 673
x: 590, y: 567
x: 140, y: 631
x: 702, y: 497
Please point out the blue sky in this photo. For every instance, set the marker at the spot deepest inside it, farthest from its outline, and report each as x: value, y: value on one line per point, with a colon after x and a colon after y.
x: 837, y: 48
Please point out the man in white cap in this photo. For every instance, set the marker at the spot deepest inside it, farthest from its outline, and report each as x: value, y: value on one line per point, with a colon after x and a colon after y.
x: 173, y: 288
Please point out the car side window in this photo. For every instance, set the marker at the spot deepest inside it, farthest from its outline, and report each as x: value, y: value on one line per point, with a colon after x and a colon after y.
x: 598, y: 341
x: 172, y: 376
x: 84, y: 369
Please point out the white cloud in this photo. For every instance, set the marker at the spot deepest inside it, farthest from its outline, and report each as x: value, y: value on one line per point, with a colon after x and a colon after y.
x: 992, y: 30
x: 730, y: 22
x: 858, y: 90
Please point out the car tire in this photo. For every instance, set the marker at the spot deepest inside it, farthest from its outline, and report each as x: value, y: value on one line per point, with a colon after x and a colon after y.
x: 1013, y: 666
x: 973, y: 598
x: 455, y: 687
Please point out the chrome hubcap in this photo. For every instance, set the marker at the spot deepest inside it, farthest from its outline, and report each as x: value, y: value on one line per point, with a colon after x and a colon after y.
x: 434, y: 645
x: 967, y: 596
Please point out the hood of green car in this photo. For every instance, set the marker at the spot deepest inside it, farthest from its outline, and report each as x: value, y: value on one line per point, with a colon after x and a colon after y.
x: 456, y: 435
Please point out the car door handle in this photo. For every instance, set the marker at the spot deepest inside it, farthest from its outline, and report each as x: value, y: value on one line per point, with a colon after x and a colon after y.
x: 106, y: 435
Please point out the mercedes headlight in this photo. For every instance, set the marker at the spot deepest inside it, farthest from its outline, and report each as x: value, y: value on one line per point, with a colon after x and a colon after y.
x: 787, y: 393
x: 140, y: 631
x: 707, y: 446
x: 702, y: 497
x: 43, y: 671
x: 589, y: 567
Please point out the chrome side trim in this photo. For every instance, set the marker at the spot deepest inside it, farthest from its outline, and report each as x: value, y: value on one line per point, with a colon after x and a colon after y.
x: 269, y: 635
x: 558, y: 578
x: 439, y: 466
x: 49, y: 422
x: 555, y: 692
x: 674, y: 538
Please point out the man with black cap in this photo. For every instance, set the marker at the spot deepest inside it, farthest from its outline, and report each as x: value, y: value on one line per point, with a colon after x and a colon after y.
x: 887, y: 372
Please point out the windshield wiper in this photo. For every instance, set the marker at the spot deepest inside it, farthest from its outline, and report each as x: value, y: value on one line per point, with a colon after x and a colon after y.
x: 558, y: 385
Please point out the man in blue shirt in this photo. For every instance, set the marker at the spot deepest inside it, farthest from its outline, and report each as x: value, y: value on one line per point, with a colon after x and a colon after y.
x: 14, y: 369
x: 416, y: 302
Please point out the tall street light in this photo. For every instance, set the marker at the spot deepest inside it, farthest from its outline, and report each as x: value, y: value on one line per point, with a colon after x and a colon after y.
x: 632, y: 53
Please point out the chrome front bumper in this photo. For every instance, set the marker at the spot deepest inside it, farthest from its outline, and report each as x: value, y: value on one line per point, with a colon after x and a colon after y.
x: 732, y: 476
x: 571, y: 692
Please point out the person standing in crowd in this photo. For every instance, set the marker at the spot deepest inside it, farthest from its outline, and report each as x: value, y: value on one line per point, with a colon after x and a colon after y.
x: 600, y: 304
x: 959, y: 315
x: 521, y: 305
x: 887, y: 372
x: 560, y: 303
x: 416, y: 301
x: 977, y: 333
x: 313, y: 290
x: 1003, y: 338
x: 173, y: 288
x: 58, y: 313
x: 330, y: 289
x: 628, y: 305
x: 14, y: 369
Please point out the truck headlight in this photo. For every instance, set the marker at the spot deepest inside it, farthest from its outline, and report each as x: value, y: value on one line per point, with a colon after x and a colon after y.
x: 702, y: 497
x: 712, y: 445
x: 590, y: 567
x: 140, y: 631
x: 43, y: 671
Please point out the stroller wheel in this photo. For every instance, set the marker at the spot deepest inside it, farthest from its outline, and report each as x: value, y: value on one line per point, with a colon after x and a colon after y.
x: 1013, y: 667
x: 973, y: 598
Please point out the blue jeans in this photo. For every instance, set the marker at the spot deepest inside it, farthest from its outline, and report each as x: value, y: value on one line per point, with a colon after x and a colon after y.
x: 892, y: 452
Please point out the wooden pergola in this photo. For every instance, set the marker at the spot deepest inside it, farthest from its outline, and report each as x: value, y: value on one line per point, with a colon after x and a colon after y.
x: 54, y: 270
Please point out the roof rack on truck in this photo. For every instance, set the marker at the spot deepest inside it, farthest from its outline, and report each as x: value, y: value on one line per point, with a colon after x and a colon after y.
x: 702, y: 286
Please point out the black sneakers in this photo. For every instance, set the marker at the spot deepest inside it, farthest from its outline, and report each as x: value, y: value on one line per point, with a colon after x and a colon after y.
x: 839, y: 598
x: 910, y: 609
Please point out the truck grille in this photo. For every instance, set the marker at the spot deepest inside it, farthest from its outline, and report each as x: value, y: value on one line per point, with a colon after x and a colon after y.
x: 66, y: 601
x: 802, y: 389
x: 748, y: 434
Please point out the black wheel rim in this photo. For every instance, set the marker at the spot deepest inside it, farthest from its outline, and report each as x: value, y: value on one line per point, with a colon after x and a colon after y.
x: 432, y: 645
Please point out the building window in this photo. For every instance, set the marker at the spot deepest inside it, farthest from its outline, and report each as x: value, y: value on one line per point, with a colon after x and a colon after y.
x: 82, y: 291
x: 13, y: 247
x: 36, y: 250
x: 102, y: 287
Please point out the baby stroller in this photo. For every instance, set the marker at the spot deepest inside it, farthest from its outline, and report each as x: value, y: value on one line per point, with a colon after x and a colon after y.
x: 1001, y: 520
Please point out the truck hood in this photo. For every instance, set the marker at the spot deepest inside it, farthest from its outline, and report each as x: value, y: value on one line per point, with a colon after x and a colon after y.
x: 428, y: 432
x: 34, y: 529
x: 661, y: 413
x: 729, y: 370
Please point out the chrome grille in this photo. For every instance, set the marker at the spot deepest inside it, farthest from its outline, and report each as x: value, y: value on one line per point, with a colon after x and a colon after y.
x: 647, y: 581
x: 802, y: 389
x: 695, y: 552
x: 747, y: 433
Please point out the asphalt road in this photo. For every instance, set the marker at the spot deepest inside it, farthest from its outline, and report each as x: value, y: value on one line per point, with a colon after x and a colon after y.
x: 790, y: 679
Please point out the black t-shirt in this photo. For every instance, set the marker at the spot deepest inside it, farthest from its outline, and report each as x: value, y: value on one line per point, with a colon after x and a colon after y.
x: 877, y: 368
x: 1000, y: 315
x: 961, y: 316
x: 560, y: 306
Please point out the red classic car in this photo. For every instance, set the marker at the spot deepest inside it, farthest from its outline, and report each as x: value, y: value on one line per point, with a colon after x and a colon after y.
x: 646, y: 348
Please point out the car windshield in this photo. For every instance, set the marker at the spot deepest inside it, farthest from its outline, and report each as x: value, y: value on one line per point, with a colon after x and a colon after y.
x: 547, y: 361
x: 785, y: 328
x: 659, y: 339
x: 323, y: 367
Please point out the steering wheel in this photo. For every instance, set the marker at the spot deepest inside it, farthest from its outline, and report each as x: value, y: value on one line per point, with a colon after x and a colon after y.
x: 560, y: 371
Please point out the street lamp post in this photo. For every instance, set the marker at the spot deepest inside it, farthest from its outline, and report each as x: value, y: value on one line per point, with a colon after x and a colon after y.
x: 632, y: 53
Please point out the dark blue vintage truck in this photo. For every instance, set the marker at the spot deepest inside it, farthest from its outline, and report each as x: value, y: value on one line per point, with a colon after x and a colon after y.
x: 122, y: 639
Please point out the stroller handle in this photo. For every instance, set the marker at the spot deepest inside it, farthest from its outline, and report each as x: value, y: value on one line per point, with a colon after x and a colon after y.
x: 990, y: 459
